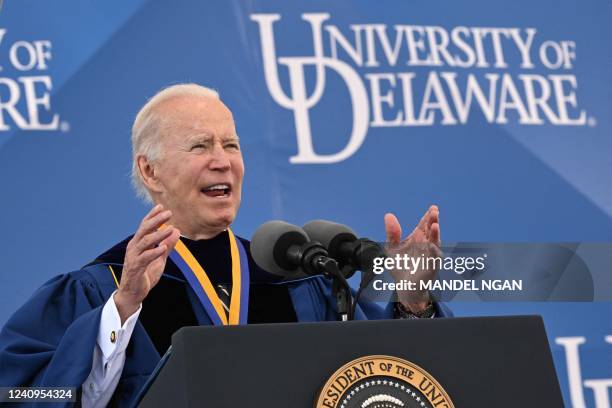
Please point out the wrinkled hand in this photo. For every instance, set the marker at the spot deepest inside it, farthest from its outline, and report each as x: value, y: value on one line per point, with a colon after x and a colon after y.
x: 423, y: 241
x: 145, y: 260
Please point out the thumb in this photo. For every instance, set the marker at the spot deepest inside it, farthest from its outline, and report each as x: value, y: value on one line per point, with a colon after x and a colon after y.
x: 393, y: 229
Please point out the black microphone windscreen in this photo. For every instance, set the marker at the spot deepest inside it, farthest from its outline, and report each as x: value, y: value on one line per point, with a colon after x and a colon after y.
x: 329, y: 234
x: 269, y: 247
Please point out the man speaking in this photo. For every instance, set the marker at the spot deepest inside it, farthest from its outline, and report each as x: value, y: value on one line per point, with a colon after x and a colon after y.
x: 103, y: 328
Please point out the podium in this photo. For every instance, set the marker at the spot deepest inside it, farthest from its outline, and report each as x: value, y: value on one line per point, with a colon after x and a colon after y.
x: 458, y: 362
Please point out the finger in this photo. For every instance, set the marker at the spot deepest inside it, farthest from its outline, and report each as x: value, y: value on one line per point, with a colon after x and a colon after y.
x: 152, y: 254
x: 423, y: 223
x: 155, y: 222
x: 171, y: 240
x: 434, y: 214
x: 152, y: 240
x: 393, y: 229
x: 149, y: 225
x: 430, y: 216
x: 156, y: 272
x: 433, y: 218
x: 434, y: 236
x: 417, y: 236
x: 154, y: 211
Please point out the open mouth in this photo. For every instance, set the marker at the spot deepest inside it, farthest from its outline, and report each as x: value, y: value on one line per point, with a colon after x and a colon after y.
x: 217, y: 190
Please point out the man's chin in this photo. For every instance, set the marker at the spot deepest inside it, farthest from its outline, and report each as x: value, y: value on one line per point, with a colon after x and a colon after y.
x: 216, y: 219
x: 222, y: 221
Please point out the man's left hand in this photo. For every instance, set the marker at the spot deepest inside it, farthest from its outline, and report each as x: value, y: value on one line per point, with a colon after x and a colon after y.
x: 424, y: 241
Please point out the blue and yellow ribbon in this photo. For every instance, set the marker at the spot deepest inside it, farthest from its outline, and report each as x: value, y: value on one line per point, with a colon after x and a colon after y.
x: 204, y: 289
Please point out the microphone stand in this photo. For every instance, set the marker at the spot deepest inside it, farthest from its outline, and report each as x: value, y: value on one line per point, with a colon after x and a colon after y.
x: 342, y: 302
x: 340, y: 288
x: 314, y: 259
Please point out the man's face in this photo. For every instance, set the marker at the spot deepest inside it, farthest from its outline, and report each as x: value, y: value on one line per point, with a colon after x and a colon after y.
x: 201, y: 169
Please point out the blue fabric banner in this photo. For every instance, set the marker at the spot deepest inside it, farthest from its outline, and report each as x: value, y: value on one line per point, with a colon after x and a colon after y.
x: 497, y: 113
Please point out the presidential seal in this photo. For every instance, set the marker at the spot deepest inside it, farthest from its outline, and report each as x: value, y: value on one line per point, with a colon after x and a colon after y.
x: 382, y: 382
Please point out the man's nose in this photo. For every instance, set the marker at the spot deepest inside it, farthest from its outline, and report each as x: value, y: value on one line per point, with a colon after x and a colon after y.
x: 220, y: 158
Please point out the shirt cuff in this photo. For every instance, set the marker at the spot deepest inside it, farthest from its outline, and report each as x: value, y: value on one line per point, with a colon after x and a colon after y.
x: 112, y: 337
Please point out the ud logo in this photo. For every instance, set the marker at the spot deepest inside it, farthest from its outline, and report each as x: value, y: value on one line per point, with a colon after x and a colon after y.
x: 382, y: 382
x: 300, y: 102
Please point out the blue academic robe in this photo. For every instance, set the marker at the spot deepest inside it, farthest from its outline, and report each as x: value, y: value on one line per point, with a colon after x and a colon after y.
x: 50, y: 340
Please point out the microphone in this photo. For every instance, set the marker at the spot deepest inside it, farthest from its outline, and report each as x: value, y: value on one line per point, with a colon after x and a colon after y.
x: 343, y: 245
x: 286, y: 250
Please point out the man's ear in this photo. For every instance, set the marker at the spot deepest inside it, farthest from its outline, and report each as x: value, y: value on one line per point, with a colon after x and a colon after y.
x: 147, y: 172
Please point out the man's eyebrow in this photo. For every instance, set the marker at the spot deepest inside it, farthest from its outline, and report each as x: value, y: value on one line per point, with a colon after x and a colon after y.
x: 198, y: 137
x: 230, y: 138
x: 204, y: 137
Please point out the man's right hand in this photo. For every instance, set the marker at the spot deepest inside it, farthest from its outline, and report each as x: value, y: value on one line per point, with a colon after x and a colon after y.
x: 145, y: 260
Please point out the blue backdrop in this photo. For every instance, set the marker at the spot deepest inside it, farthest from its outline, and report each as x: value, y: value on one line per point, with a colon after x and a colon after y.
x: 345, y: 109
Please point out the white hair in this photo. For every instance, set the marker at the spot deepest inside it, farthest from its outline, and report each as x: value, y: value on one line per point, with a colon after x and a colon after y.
x: 150, y: 125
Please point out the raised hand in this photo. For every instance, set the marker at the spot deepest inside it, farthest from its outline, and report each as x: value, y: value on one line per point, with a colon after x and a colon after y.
x: 423, y: 241
x: 145, y: 260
